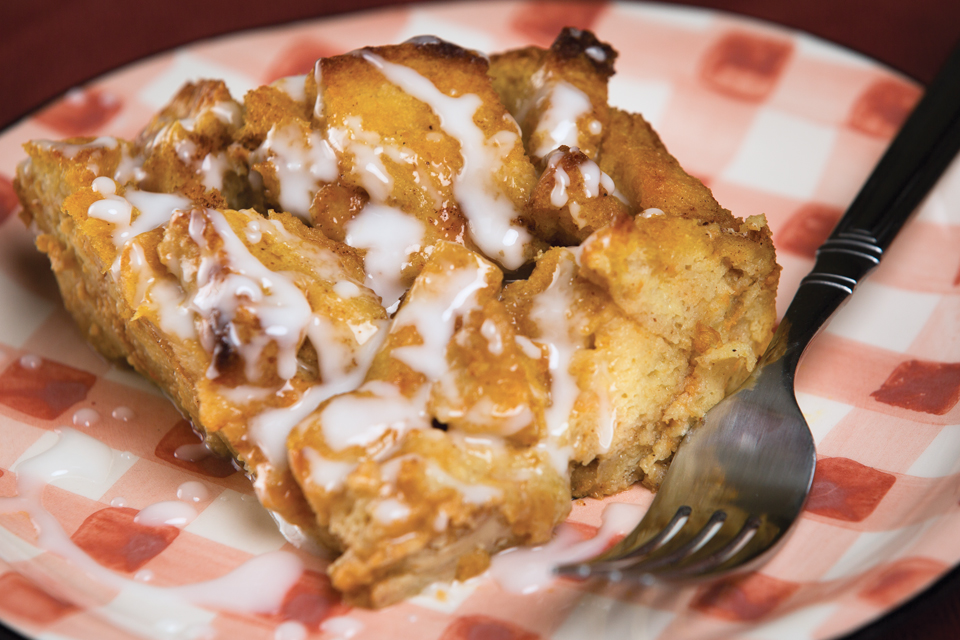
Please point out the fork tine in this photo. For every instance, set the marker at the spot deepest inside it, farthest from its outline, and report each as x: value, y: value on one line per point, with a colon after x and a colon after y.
x: 675, y: 542
x: 630, y: 549
x: 663, y: 537
x: 677, y: 539
x: 704, y: 535
x: 645, y: 538
x: 710, y: 561
x: 698, y: 550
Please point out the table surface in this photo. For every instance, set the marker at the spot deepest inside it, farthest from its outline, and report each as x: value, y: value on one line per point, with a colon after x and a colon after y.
x: 49, y: 46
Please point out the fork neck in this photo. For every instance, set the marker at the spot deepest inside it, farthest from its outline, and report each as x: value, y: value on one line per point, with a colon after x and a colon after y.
x: 842, y: 263
x: 914, y: 161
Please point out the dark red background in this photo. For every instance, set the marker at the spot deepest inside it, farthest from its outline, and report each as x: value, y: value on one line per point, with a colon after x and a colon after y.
x: 49, y: 46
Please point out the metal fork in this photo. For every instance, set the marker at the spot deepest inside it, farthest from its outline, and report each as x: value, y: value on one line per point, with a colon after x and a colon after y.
x: 740, y: 479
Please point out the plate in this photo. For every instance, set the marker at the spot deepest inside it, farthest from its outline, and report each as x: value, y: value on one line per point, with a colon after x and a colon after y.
x: 774, y: 121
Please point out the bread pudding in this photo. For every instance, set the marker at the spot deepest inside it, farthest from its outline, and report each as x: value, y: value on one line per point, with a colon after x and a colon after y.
x: 422, y: 296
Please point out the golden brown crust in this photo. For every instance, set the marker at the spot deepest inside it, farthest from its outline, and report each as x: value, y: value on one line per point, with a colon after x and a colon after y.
x: 195, y: 130
x: 430, y: 490
x: 359, y: 101
x: 570, y: 201
x: 650, y: 178
x: 532, y: 82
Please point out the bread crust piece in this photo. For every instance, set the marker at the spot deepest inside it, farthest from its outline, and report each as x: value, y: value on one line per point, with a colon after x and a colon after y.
x: 414, y: 129
x: 661, y: 317
x: 540, y: 86
x: 410, y: 495
x: 573, y: 198
x: 707, y: 292
x: 188, y: 148
x: 120, y: 297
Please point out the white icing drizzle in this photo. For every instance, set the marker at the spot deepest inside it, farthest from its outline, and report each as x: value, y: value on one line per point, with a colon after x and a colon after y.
x: 271, y: 428
x: 606, y: 413
x: 390, y: 238
x: 346, y: 289
x: 31, y: 362
x: 559, y: 195
x: 293, y: 86
x: 290, y: 630
x: 558, y: 456
x: 364, y: 416
x: 258, y: 586
x: 104, y: 186
x: 558, y: 124
x: 551, y: 312
x: 593, y: 179
x: 242, y: 280
x: 529, y: 348
x: 213, y: 168
x: 144, y: 575
x: 327, y: 474
x: 114, y: 209
x: 390, y: 510
x: 175, y: 316
x: 390, y: 469
x: 504, y: 421
x: 301, y: 159
x: 434, y: 314
x: 343, y: 626
x: 574, y: 209
x: 596, y: 52
x: 130, y: 167
x: 185, y: 150
x: 170, y: 513
x: 253, y: 232
x: 155, y: 210
x: 318, y: 76
x: 377, y: 407
x: 472, y: 493
x: 491, y: 332
x: 366, y: 147
x: 488, y: 210
x: 244, y: 393
x: 530, y: 570
x: 124, y: 414
x: 86, y: 417
x: 192, y: 491
x: 364, y: 331
x: 226, y: 111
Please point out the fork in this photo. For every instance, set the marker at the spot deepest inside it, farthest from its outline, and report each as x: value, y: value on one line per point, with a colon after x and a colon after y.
x: 740, y: 479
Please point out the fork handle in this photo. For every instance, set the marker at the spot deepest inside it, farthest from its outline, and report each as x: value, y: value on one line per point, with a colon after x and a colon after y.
x: 912, y: 164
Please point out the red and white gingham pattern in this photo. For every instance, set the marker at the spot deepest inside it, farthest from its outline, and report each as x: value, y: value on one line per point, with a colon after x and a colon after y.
x: 773, y: 121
